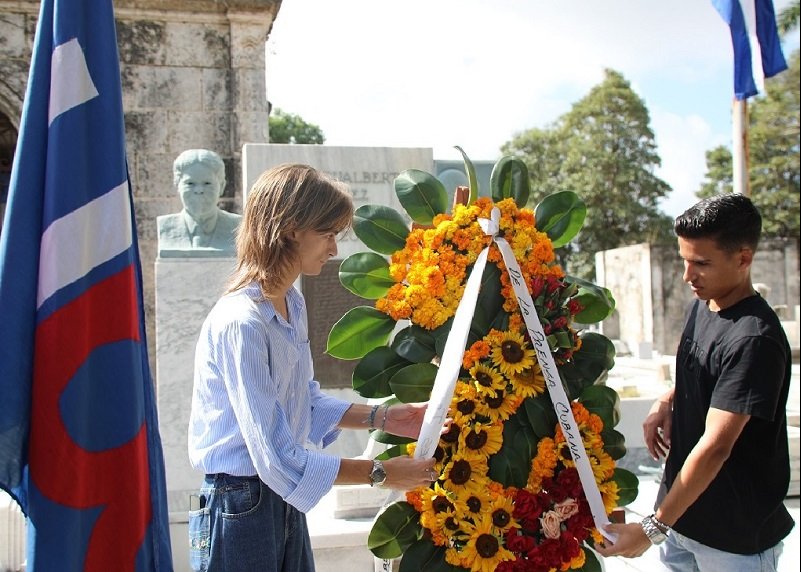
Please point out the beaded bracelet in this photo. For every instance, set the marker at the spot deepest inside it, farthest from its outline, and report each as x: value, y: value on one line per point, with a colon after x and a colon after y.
x: 371, y: 418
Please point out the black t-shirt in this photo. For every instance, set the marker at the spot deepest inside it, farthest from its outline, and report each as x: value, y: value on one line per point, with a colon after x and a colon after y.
x: 736, y: 360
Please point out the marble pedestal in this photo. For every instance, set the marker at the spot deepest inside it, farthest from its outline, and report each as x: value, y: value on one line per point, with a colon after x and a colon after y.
x: 186, y: 289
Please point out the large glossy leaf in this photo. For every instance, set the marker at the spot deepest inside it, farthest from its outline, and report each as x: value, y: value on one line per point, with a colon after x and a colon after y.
x: 389, y: 438
x: 596, y: 356
x: 560, y: 216
x: 414, y: 344
x: 627, y: 484
x: 357, y: 332
x: 394, y: 530
x: 441, y: 336
x: 380, y: 228
x: 604, y: 402
x: 540, y: 415
x: 421, y: 194
x: 614, y: 443
x: 425, y: 556
x: 372, y: 374
x: 413, y: 383
x: 511, y: 465
x: 366, y: 274
x: 394, y: 451
x: 597, y: 301
x: 490, y: 300
x: 471, y: 176
x: 509, y: 178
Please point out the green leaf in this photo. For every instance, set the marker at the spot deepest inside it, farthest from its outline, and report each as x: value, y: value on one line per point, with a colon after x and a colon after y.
x: 422, y: 195
x: 413, y: 383
x: 372, y: 374
x: 509, y: 178
x: 614, y: 443
x: 597, y: 301
x: 394, y: 451
x: 540, y: 415
x: 425, y: 556
x: 366, y: 274
x: 415, y: 344
x: 604, y: 402
x: 560, y: 216
x: 471, y: 176
x: 389, y: 438
x: 394, y: 530
x: 511, y: 465
x: 490, y: 300
x: 591, y: 563
x: 627, y: 484
x: 380, y: 228
x: 596, y: 356
x: 357, y: 332
x: 441, y: 336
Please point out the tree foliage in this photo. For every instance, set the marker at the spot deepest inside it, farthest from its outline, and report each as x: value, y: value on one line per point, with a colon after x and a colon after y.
x: 787, y: 19
x: 290, y: 128
x: 604, y: 150
x: 773, y: 165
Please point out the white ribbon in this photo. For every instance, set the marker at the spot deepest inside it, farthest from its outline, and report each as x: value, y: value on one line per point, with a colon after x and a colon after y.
x: 451, y: 363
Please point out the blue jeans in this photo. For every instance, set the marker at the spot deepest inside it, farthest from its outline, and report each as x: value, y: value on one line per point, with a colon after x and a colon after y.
x: 244, y: 526
x: 681, y: 554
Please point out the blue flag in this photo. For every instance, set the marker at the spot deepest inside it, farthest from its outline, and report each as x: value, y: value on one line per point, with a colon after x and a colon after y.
x: 755, y: 39
x: 79, y: 442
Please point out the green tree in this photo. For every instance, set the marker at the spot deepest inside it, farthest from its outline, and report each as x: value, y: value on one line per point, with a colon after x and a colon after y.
x: 603, y: 149
x: 291, y: 128
x: 787, y: 19
x: 773, y: 165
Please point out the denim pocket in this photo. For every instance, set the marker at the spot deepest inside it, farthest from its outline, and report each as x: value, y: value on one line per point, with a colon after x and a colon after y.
x: 199, y: 539
x: 240, y: 499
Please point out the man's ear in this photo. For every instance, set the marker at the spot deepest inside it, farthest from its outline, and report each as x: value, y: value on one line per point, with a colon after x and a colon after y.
x: 746, y: 256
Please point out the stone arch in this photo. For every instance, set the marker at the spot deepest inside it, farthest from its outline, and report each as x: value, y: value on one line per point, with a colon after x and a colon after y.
x: 10, y: 112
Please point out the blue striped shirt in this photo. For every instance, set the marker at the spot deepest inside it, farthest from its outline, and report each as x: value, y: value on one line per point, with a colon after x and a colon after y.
x: 256, y: 408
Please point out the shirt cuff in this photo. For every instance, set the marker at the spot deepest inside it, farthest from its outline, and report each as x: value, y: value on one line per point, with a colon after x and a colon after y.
x: 317, y: 480
x: 327, y: 414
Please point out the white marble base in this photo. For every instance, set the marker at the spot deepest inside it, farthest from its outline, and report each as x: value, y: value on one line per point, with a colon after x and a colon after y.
x: 186, y: 289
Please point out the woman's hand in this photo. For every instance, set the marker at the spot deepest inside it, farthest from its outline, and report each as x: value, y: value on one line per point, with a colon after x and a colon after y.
x: 403, y: 419
x: 407, y: 473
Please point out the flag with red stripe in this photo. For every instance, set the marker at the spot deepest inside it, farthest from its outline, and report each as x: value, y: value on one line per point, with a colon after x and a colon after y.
x: 79, y: 442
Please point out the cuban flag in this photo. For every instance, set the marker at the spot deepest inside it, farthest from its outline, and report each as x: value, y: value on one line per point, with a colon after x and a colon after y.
x: 79, y: 442
x: 755, y: 39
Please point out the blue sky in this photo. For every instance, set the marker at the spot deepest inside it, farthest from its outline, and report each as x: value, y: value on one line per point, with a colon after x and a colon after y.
x: 439, y: 73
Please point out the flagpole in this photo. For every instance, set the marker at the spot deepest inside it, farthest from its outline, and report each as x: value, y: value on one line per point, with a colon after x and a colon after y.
x: 740, y: 147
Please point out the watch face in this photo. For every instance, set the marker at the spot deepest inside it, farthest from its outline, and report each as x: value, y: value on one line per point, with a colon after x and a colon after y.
x: 378, y: 475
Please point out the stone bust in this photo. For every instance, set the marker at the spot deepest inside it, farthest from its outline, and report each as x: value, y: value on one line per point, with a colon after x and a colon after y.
x: 201, y: 228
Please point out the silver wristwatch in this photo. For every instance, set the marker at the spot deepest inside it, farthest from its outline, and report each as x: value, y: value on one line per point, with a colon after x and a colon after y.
x: 378, y: 475
x: 655, y: 531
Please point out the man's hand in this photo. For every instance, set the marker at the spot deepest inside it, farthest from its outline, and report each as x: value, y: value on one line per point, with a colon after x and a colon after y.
x: 631, y: 541
x: 657, y: 425
x: 403, y: 420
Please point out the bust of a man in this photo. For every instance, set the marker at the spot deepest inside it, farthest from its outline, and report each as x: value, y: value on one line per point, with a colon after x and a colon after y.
x: 201, y: 228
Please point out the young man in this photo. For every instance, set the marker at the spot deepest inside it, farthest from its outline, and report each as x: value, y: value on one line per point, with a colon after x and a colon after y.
x: 720, y: 505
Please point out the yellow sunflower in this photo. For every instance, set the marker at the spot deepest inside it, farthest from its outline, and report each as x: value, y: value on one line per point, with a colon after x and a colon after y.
x: 482, y: 439
x: 500, y: 511
x: 512, y: 355
x: 529, y: 382
x: 488, y: 380
x: 465, y: 475
x: 500, y: 406
x: 484, y: 550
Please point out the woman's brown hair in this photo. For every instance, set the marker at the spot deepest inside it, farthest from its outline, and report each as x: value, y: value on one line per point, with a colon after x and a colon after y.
x: 285, y: 199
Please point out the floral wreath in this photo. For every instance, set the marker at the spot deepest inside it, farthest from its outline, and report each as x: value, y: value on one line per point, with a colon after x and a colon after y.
x: 508, y: 496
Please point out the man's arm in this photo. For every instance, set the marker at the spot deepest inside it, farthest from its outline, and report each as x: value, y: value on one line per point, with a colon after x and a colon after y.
x: 721, y: 432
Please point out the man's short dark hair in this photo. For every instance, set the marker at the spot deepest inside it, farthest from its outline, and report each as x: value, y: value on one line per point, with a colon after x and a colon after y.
x: 731, y: 220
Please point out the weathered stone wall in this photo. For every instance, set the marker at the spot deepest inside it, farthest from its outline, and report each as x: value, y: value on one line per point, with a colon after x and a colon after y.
x: 651, y: 296
x: 192, y: 77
